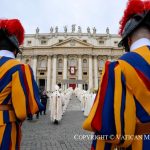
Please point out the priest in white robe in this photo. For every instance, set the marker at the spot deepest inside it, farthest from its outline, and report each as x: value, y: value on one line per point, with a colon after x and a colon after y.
x: 56, y: 106
x: 89, y: 103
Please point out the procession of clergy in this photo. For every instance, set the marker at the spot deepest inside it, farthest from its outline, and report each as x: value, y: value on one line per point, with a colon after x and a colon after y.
x: 59, y: 100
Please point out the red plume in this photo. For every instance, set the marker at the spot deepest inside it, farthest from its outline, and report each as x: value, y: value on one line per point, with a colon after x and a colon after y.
x: 133, y: 7
x: 13, y: 27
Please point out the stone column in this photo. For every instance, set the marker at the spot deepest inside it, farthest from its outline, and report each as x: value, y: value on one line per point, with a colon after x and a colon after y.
x: 109, y: 58
x: 80, y: 71
x: 90, y: 73
x: 34, y: 67
x: 95, y: 73
x: 49, y: 73
x: 54, y: 72
x: 19, y: 57
x: 65, y: 71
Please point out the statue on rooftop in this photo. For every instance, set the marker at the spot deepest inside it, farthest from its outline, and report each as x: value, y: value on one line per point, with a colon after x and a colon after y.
x: 65, y: 29
x: 79, y: 29
x: 73, y: 28
x: 56, y: 29
x: 37, y: 30
x: 94, y: 30
x: 88, y: 30
x: 107, y: 30
x: 51, y: 29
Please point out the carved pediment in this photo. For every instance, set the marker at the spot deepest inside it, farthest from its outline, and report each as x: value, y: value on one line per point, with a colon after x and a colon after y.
x: 72, y: 42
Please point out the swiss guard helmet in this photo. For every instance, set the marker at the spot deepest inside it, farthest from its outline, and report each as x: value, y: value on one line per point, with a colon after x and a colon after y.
x: 136, y: 14
x: 11, y: 34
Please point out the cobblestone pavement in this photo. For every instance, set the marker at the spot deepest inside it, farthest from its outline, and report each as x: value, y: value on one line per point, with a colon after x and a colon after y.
x: 41, y: 134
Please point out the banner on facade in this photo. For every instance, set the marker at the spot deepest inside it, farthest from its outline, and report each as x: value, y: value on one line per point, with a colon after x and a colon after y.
x: 72, y: 70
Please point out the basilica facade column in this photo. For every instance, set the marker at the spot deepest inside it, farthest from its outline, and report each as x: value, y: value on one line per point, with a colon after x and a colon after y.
x: 34, y: 67
x: 54, y: 72
x: 49, y: 73
x: 90, y: 73
x: 65, y: 71
x: 18, y: 57
x: 79, y: 70
x: 95, y: 73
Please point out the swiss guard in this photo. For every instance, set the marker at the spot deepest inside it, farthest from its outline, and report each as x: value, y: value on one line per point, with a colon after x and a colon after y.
x: 120, y: 115
x: 19, y: 95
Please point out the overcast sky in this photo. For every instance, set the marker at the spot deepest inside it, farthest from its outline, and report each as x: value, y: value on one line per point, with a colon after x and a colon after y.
x: 47, y: 13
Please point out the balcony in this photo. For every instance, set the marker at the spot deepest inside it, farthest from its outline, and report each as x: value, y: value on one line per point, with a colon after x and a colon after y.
x: 42, y: 68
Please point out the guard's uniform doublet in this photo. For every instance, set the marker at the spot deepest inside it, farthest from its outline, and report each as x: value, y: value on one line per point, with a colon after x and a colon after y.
x: 18, y: 97
x: 123, y: 103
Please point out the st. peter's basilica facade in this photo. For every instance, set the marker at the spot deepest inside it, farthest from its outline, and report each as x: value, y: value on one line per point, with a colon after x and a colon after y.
x: 69, y: 59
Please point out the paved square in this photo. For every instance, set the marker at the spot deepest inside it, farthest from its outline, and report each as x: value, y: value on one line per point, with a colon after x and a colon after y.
x: 41, y: 134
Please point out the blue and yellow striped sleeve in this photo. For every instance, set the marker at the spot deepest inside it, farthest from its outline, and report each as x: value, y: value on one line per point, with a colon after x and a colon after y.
x: 112, y: 114
x: 25, y: 96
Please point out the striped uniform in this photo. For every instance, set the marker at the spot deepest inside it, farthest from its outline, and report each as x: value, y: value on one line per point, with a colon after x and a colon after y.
x: 19, y: 89
x: 122, y: 101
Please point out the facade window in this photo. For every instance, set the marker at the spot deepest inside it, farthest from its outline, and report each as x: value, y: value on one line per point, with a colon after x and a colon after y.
x: 29, y: 42
x: 43, y: 42
x: 42, y: 83
x: 84, y: 63
x: 101, y: 42
x: 60, y: 41
x: 60, y: 64
x: 86, y: 87
x: 83, y: 86
x: 41, y: 73
x: 59, y: 73
x: 59, y: 84
x: 85, y: 41
x: 115, y: 42
x: 84, y: 73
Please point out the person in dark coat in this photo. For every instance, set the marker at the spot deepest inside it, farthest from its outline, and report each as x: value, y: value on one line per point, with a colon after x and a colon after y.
x: 44, y: 98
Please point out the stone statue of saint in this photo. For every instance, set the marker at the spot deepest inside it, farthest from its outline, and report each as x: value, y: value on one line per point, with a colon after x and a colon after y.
x: 51, y: 29
x: 73, y: 28
x: 37, y: 30
x: 79, y: 29
x: 107, y: 30
x: 88, y: 30
x: 94, y: 30
x: 56, y: 29
x: 65, y: 29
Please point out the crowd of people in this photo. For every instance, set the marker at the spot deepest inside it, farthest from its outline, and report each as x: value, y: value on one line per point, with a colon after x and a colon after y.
x: 59, y: 101
x: 55, y: 103
x: 86, y: 98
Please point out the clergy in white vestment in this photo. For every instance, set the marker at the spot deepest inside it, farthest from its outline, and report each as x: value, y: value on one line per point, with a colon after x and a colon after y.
x: 66, y: 101
x: 83, y: 101
x: 89, y: 103
x: 56, y: 106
